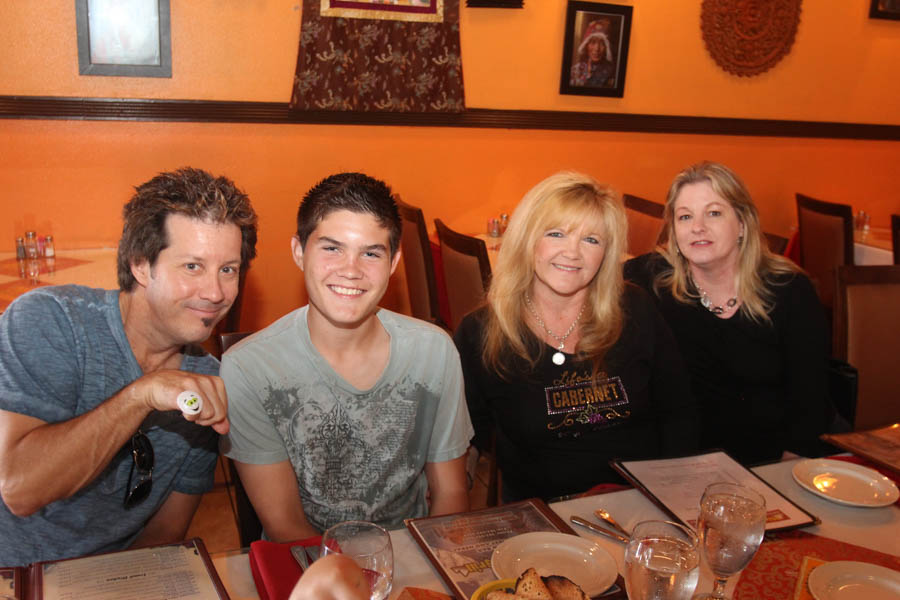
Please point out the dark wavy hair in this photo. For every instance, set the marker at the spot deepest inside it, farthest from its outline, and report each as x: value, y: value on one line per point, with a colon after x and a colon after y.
x: 190, y: 192
x: 355, y: 192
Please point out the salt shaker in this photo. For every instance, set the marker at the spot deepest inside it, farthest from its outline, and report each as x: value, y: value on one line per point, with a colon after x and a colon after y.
x: 504, y: 221
x: 20, y: 248
x: 49, y: 250
x: 31, y: 251
x: 494, y: 227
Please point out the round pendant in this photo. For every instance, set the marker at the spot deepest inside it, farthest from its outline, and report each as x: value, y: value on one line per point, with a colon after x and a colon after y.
x: 558, y: 358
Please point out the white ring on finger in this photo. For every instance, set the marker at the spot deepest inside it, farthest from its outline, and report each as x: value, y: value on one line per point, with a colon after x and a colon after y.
x: 189, y: 402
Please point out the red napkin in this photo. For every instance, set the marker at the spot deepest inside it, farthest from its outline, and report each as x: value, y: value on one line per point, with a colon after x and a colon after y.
x: 274, y: 569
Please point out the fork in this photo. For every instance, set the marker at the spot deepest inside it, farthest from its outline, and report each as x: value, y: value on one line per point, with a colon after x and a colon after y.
x: 605, y: 516
x: 299, y: 554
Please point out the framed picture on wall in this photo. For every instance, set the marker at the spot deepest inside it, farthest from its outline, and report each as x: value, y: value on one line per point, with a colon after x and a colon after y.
x: 595, y: 50
x: 885, y: 9
x: 124, y: 38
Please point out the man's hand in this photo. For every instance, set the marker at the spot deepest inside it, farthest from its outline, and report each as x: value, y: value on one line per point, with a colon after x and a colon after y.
x: 159, y: 391
x: 332, y: 577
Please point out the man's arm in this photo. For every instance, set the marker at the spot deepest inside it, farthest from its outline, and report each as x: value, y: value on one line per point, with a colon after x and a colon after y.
x: 275, y: 495
x: 42, y: 462
x: 170, y: 522
x: 448, y: 487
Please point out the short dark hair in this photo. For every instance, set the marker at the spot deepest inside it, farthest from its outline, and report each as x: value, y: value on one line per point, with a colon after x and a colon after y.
x: 190, y: 192
x: 355, y: 192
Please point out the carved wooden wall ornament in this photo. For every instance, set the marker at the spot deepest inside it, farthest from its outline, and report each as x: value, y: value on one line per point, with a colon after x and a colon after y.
x: 749, y: 37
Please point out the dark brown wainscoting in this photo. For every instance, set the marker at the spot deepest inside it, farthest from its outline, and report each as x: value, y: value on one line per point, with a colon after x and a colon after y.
x: 114, y: 109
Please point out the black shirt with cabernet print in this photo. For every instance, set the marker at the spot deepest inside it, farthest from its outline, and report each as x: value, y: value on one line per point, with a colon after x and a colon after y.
x: 557, y: 429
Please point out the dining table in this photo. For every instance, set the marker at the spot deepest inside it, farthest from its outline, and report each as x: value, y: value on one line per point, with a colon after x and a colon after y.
x: 873, y: 246
x: 876, y: 529
x: 92, y: 267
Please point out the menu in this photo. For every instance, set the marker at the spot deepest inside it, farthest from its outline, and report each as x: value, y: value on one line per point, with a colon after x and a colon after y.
x: 460, y: 545
x: 676, y: 486
x: 180, y: 571
x: 881, y: 446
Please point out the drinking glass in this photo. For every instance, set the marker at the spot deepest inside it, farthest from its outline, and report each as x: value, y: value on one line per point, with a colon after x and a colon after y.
x: 662, y: 562
x: 732, y: 523
x: 370, y: 547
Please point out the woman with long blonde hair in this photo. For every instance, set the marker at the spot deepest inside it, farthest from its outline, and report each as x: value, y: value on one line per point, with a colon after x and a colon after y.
x: 567, y: 365
x: 748, y: 322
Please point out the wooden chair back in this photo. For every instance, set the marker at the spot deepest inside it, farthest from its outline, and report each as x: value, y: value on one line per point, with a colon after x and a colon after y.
x: 825, y: 242
x: 248, y: 523
x: 419, y: 265
x: 895, y: 237
x: 867, y: 335
x: 645, y: 224
x: 467, y: 271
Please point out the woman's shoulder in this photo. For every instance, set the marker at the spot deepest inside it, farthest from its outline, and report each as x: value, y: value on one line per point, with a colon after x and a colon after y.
x: 645, y: 268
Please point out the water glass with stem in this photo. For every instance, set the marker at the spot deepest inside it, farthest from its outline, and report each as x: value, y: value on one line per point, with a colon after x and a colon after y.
x: 732, y: 524
x: 370, y: 547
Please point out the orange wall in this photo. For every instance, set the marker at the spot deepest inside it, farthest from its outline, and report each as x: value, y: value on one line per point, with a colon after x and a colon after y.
x: 70, y: 178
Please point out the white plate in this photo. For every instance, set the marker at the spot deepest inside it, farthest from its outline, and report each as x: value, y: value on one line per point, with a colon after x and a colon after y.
x: 581, y: 560
x: 850, y: 580
x: 845, y: 483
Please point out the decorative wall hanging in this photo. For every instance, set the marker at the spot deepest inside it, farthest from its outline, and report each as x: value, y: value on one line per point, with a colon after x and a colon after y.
x: 124, y: 38
x: 495, y: 3
x: 749, y: 37
x: 885, y: 9
x: 595, y: 51
x: 371, y: 55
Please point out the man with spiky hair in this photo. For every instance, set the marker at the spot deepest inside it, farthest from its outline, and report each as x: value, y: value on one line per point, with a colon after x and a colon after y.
x: 96, y: 454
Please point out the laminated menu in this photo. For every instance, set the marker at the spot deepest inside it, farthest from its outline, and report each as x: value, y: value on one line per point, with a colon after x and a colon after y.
x: 676, y: 485
x: 881, y: 446
x: 460, y: 545
x: 182, y: 571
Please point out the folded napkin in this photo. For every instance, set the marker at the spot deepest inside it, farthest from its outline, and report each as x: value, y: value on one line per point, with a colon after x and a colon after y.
x: 274, y: 569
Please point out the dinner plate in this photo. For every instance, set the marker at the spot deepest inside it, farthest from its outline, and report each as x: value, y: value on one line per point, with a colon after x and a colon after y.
x: 845, y: 483
x: 576, y: 558
x: 851, y: 580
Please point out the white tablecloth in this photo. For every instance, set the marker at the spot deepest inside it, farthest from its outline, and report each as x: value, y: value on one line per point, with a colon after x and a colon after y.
x: 875, y: 528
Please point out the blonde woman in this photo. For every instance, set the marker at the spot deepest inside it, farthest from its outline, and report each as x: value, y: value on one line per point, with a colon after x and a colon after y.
x: 567, y: 364
x: 748, y: 322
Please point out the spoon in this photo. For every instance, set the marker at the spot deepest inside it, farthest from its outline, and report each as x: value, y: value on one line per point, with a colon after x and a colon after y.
x: 605, y: 516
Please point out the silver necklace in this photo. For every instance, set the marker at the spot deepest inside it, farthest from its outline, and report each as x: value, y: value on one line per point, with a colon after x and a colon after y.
x: 706, y: 303
x: 558, y: 357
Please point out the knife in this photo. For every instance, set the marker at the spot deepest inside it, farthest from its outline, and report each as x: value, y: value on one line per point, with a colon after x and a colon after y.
x: 597, y: 529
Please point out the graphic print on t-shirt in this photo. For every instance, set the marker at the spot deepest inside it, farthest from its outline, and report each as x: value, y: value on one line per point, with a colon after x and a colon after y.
x: 576, y: 403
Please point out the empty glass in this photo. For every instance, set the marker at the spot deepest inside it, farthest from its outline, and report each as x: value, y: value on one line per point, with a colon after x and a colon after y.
x: 370, y: 547
x: 732, y: 524
x: 662, y: 562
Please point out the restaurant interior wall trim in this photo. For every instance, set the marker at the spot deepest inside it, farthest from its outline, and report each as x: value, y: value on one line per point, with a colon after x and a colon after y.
x: 71, y: 178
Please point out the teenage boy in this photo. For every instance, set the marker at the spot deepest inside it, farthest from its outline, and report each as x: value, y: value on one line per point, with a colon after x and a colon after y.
x: 341, y: 410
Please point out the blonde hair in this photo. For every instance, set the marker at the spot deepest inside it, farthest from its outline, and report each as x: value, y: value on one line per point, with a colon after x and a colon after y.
x: 757, y: 265
x: 565, y: 201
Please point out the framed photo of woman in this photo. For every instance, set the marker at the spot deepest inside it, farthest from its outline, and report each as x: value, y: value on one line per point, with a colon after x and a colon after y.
x: 595, y: 50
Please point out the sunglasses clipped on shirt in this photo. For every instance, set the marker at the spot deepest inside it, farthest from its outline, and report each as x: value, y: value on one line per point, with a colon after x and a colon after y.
x: 142, y: 452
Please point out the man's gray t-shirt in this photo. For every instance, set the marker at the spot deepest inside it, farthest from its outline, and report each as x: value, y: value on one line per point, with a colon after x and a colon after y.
x: 357, y: 454
x: 63, y: 352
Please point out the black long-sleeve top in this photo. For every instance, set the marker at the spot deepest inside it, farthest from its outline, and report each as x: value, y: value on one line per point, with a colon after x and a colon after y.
x: 557, y: 430
x: 761, y: 387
